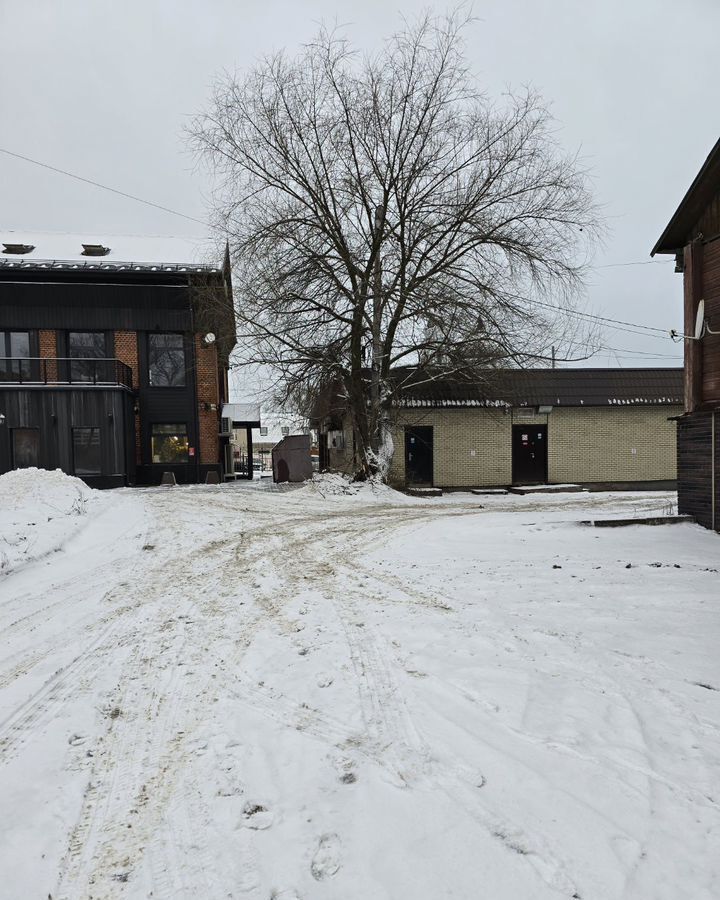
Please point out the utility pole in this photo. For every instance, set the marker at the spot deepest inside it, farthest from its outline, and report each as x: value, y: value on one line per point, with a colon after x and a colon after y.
x: 553, y: 357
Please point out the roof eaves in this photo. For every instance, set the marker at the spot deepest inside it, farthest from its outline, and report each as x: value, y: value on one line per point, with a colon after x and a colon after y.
x: 44, y: 264
x: 700, y: 192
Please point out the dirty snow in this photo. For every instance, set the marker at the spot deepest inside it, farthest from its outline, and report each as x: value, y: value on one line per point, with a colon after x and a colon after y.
x: 244, y: 692
x: 39, y: 511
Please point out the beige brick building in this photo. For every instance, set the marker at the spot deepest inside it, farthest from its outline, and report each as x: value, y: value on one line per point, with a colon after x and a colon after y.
x: 587, y: 426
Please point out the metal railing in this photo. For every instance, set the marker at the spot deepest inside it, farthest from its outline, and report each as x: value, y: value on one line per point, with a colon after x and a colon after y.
x: 64, y: 370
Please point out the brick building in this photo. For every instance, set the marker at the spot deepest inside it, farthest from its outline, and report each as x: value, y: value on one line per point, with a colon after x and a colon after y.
x: 114, y: 357
x: 601, y: 427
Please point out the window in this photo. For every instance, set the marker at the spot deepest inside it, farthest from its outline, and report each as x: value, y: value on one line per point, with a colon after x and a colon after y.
x: 86, y: 451
x: 14, y: 355
x: 166, y: 360
x: 25, y: 447
x: 84, y: 349
x: 170, y: 444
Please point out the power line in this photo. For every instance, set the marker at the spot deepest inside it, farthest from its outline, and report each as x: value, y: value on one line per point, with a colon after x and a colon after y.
x: 104, y: 187
x: 639, y: 262
x: 630, y: 354
x: 612, y: 323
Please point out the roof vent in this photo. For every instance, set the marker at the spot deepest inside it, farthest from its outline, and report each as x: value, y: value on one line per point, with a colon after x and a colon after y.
x: 18, y: 248
x: 94, y: 250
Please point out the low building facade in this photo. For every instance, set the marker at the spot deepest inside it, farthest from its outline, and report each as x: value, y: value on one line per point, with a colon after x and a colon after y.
x: 113, y: 358
x: 596, y: 427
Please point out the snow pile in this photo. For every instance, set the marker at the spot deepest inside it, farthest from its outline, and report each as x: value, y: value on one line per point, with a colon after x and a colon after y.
x: 39, y: 511
x: 334, y: 484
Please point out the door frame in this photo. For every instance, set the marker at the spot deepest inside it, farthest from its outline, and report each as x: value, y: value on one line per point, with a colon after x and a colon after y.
x: 431, y: 452
x: 514, y: 461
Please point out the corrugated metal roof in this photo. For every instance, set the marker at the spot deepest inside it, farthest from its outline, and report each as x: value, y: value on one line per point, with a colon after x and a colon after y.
x: 543, y: 387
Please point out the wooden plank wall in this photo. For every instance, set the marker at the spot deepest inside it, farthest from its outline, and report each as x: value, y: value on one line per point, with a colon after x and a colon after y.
x: 711, y: 342
x: 695, y: 468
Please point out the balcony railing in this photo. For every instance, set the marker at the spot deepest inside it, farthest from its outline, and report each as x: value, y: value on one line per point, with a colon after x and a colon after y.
x: 64, y: 370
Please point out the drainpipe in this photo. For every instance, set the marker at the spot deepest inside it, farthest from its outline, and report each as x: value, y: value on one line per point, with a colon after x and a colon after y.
x: 712, y: 471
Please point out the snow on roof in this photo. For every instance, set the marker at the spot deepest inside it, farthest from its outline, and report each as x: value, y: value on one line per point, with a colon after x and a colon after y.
x: 242, y: 413
x: 141, y: 249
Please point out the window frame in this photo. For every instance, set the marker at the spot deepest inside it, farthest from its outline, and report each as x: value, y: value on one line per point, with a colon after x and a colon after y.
x: 27, y: 366
x: 73, y: 430
x: 177, y: 425
x: 183, y: 348
x: 91, y: 379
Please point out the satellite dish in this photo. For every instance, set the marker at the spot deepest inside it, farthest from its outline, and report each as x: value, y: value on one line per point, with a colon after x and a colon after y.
x: 700, y: 320
x: 209, y: 338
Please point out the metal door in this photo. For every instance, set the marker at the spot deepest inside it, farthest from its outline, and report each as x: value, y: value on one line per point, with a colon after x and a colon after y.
x: 419, y: 455
x: 529, y: 454
x: 25, y: 447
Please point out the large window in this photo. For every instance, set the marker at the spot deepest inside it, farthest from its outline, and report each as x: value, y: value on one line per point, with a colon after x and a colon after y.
x: 166, y: 360
x: 84, y: 349
x: 14, y: 355
x: 86, y: 451
x: 170, y: 443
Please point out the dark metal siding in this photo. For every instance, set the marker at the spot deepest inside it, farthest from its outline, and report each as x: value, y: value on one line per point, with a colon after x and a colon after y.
x: 103, y: 307
x: 55, y: 411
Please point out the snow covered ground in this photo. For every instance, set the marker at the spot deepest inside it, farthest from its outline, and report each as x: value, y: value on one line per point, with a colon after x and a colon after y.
x: 242, y: 692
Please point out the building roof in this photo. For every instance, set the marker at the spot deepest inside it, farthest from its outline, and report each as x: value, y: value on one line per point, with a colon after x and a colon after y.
x: 699, y: 194
x: 58, y: 250
x: 543, y: 387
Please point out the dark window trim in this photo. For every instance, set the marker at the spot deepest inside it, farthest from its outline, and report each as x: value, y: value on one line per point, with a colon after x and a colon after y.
x: 185, y: 462
x: 186, y: 345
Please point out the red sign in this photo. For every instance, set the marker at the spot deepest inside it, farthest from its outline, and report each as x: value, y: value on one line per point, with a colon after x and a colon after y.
x: 191, y: 451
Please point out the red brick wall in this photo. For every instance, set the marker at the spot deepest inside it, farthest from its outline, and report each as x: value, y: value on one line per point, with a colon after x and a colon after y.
x: 208, y: 392
x: 47, y: 342
x: 126, y: 350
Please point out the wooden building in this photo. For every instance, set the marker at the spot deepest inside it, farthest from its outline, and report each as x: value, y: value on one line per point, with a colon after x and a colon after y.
x: 693, y: 237
x: 595, y: 427
x: 114, y: 357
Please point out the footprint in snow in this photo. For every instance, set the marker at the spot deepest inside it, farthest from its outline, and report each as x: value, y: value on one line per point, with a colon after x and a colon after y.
x: 256, y: 816
x: 324, y: 680
x: 326, y: 861
x: 288, y: 894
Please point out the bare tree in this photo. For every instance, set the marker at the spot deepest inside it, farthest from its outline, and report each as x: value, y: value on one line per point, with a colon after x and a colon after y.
x: 382, y: 212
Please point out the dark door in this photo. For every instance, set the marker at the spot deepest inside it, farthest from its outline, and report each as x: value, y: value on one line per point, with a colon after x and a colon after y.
x: 25, y: 447
x: 529, y: 454
x: 419, y: 455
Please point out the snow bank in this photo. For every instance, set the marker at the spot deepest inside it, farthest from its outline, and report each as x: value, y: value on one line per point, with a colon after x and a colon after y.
x: 39, y: 511
x: 333, y: 484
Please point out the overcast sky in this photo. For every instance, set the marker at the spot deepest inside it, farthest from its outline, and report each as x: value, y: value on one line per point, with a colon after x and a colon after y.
x: 103, y: 88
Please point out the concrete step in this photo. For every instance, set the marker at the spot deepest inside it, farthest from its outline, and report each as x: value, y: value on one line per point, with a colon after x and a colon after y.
x: 643, y: 520
x: 424, y: 491
x: 524, y: 489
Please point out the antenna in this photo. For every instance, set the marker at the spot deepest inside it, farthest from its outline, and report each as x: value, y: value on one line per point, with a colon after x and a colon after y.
x: 701, y: 327
x: 700, y: 320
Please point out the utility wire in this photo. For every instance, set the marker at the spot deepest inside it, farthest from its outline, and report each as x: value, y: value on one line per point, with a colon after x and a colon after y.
x: 612, y: 323
x: 174, y: 212
x: 104, y: 187
x: 640, y: 262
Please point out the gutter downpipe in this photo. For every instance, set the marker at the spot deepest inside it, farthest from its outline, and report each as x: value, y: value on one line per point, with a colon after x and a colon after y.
x: 712, y: 471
